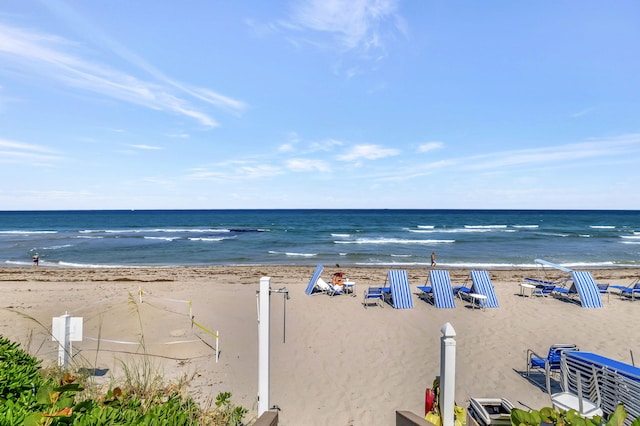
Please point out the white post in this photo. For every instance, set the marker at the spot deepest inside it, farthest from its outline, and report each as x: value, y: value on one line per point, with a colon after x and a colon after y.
x: 447, y: 374
x: 64, y: 340
x: 263, y: 345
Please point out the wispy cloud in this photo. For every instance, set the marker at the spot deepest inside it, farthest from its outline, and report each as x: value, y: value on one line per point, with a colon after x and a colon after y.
x: 307, y: 165
x: 367, y: 152
x: 325, y: 145
x: 50, y: 57
x: 355, y: 23
x: 31, y: 154
x: 582, y: 113
x: 430, y: 146
x: 597, y: 151
x: 238, y: 172
x: 600, y: 148
x: 146, y: 147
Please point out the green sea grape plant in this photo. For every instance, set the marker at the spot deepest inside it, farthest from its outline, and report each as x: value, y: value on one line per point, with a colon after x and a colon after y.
x: 551, y: 416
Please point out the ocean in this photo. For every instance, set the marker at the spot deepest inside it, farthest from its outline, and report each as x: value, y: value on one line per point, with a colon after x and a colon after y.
x: 489, y: 239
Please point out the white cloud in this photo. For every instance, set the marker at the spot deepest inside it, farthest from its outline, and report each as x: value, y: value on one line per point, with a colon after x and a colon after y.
x: 325, y: 145
x: 285, y: 147
x: 51, y: 57
x: 305, y: 165
x: 5, y: 143
x: 355, y: 22
x: 368, y: 152
x: 146, y: 147
x: 28, y: 154
x: 430, y: 146
x: 237, y: 171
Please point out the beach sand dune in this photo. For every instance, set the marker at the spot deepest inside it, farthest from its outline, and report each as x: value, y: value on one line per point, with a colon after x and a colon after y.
x: 341, y: 364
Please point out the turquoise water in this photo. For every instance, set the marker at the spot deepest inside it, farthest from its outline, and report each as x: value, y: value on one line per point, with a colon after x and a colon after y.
x: 403, y: 238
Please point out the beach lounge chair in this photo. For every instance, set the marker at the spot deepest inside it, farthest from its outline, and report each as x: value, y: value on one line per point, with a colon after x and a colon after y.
x: 630, y: 290
x: 398, y: 293
x: 440, y: 292
x: 550, y: 363
x: 373, y: 295
x: 319, y: 286
x: 312, y: 287
x: 547, y: 290
x: 461, y: 291
x: 329, y: 288
x: 482, y: 285
x: 587, y: 289
x: 603, y: 289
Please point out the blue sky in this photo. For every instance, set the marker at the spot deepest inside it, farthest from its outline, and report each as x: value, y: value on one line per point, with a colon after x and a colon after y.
x: 319, y: 104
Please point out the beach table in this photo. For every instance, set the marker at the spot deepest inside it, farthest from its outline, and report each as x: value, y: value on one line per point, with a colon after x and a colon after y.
x: 478, y: 300
x: 350, y: 287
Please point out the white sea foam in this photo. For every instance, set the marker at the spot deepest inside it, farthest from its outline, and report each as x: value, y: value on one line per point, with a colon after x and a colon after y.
x: 426, y: 226
x: 452, y: 231
x: 631, y: 237
x: 157, y: 230
x: 18, y: 232
x: 485, y: 226
x: 552, y: 234
x: 392, y: 241
x: 602, y: 227
x: 57, y: 247
x: 208, y: 239
x: 161, y: 238
x: 526, y: 226
x: 293, y: 254
x: 341, y: 235
x: 96, y: 265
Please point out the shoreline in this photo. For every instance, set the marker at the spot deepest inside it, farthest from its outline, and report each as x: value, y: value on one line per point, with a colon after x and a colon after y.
x: 340, y: 364
x: 163, y: 273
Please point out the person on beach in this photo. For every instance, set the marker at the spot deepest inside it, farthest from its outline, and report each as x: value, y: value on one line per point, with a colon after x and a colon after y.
x: 337, y: 281
x: 36, y: 259
x: 433, y: 259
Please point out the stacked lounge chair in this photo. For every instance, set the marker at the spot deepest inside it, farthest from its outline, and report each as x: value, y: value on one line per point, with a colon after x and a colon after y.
x: 616, y: 381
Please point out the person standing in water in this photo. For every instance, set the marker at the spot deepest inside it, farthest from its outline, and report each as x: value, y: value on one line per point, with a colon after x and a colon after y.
x: 433, y: 259
x: 36, y: 259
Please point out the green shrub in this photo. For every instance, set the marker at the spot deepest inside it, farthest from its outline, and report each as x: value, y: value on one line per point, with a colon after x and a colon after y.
x: 28, y: 398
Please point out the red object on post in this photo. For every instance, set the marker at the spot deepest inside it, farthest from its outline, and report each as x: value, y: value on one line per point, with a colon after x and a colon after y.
x: 429, y: 398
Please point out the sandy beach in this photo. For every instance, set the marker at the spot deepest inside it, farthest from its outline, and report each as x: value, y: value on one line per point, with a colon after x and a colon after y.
x: 341, y: 364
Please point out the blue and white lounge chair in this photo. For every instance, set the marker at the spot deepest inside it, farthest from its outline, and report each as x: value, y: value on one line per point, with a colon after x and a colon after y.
x: 440, y: 290
x: 482, y: 285
x: 587, y: 289
x: 630, y: 290
x: 398, y: 294
x: 318, y: 286
x: 312, y: 287
x: 373, y: 295
x: 549, y: 364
